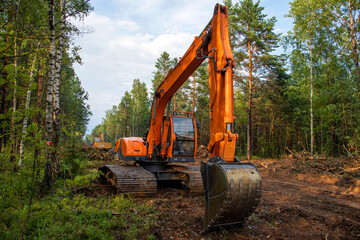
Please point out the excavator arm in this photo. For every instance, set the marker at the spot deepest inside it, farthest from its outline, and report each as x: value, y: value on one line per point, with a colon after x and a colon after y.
x: 232, y: 188
x: 212, y: 44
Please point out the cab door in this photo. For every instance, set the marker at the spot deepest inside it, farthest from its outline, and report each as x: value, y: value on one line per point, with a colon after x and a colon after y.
x: 183, y: 139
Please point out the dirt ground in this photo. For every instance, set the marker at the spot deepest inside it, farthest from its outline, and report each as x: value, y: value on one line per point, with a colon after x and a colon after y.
x: 303, y: 197
x: 297, y: 203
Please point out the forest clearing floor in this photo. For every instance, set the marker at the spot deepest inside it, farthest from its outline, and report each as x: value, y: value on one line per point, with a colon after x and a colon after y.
x: 305, y: 205
x: 303, y: 197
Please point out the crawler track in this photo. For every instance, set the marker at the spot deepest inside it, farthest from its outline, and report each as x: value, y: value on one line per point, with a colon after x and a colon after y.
x: 194, y: 182
x: 130, y: 179
x: 136, y: 180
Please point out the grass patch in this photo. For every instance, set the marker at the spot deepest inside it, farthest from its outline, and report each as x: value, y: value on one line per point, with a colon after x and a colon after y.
x: 25, y: 213
x: 78, y: 217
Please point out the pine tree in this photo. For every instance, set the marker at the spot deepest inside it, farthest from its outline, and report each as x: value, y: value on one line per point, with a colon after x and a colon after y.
x: 125, y: 109
x: 253, y: 39
x: 163, y: 64
x: 141, y: 108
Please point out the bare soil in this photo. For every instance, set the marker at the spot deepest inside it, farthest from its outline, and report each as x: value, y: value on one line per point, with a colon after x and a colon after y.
x: 298, y: 202
x: 303, y: 197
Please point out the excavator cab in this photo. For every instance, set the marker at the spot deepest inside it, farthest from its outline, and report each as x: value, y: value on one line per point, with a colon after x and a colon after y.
x: 183, y: 136
x: 179, y: 137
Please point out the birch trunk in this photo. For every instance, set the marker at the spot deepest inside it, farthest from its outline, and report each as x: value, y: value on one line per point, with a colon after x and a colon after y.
x: 27, y: 105
x: 13, y: 149
x: 48, y: 175
x: 56, y: 103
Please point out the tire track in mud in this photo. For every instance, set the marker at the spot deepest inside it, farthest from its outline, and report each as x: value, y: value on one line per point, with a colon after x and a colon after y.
x: 307, y: 210
x: 289, y: 209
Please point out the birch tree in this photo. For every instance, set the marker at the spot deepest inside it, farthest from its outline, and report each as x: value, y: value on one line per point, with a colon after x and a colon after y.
x: 321, y: 56
x: 50, y: 167
x: 75, y: 8
x: 346, y: 15
x: 27, y: 106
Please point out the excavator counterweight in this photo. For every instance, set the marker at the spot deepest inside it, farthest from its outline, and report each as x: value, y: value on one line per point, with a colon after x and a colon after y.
x: 232, y: 188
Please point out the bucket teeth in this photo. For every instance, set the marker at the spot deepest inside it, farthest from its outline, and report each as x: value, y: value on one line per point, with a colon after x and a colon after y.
x: 232, y: 192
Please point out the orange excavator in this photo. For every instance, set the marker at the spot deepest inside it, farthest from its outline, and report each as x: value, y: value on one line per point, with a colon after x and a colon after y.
x: 232, y: 188
x: 100, y: 143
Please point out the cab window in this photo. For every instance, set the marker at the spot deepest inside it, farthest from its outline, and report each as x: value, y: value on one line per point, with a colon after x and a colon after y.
x: 184, y: 130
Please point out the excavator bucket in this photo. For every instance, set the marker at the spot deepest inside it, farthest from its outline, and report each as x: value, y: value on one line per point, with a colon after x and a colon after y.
x: 232, y: 192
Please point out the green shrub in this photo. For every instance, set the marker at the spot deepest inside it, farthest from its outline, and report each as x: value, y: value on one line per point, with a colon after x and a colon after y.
x: 27, y: 213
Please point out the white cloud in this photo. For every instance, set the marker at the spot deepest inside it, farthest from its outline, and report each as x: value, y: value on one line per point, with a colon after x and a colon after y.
x: 174, y: 43
x: 126, y: 25
x: 113, y: 57
x: 127, y: 39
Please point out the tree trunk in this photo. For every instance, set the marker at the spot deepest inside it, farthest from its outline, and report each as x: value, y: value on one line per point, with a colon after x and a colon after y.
x: 126, y: 120
x: 40, y: 93
x: 52, y: 96
x: 4, y: 103
x: 48, y: 175
x: 12, y: 130
x: 56, y: 103
x: 248, y: 155
x: 354, y: 44
x: 311, y: 102
x: 27, y: 105
x: 12, y: 134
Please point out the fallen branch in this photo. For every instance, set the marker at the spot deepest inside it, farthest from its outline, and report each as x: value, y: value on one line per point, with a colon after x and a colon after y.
x: 350, y: 155
x: 295, y: 153
x: 345, y: 170
x: 263, y: 165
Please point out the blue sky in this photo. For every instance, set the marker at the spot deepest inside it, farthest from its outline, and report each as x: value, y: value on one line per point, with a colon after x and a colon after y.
x: 127, y: 36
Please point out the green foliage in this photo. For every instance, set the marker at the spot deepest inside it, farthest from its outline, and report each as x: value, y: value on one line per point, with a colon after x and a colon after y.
x: 5, y: 156
x: 78, y: 217
x: 319, y: 28
x: 202, y: 103
x: 140, y: 108
x: 182, y: 99
x: 162, y: 65
x: 24, y: 213
x: 75, y: 112
x: 258, y: 75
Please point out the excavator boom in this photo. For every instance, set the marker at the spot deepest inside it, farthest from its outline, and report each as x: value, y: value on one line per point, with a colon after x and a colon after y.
x: 232, y: 189
x: 213, y: 44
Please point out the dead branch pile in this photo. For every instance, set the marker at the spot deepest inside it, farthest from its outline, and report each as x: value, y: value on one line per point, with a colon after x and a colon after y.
x: 306, y: 163
x: 98, y: 154
x: 202, y: 154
